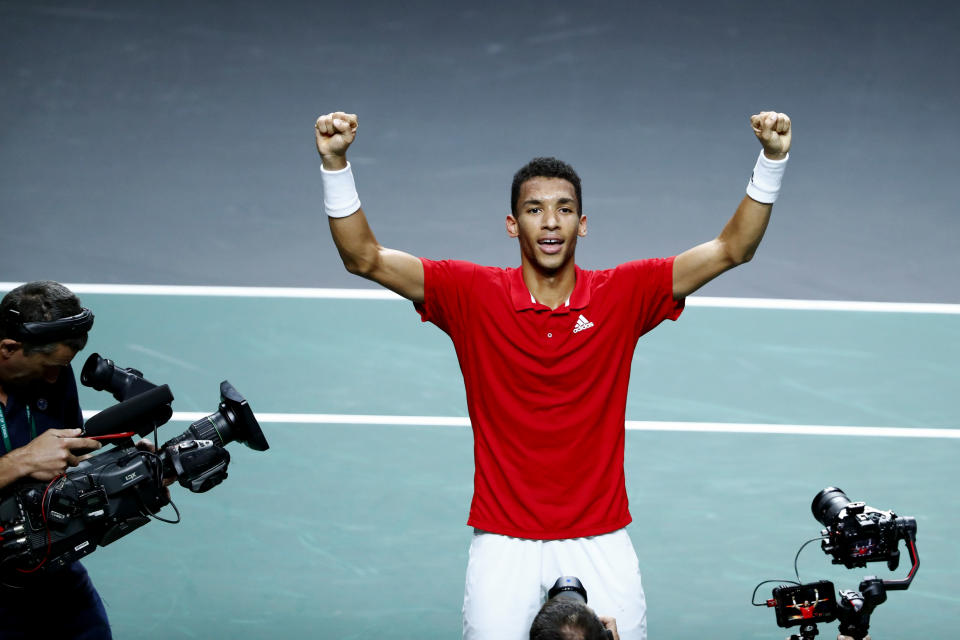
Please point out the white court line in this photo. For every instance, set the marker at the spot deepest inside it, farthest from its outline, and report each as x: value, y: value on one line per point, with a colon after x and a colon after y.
x: 383, y: 294
x: 704, y: 301
x: 632, y: 425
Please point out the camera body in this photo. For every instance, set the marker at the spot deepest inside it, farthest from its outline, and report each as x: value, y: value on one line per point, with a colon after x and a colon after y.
x: 46, y: 525
x: 49, y: 525
x: 855, y: 534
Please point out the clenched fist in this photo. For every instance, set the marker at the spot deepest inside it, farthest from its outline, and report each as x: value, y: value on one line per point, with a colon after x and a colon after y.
x: 773, y: 131
x: 335, y: 133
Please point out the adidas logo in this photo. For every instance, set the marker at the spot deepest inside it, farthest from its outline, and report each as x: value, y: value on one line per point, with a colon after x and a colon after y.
x: 582, y: 323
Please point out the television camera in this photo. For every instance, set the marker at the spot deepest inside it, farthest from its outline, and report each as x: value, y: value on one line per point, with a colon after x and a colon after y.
x: 46, y: 525
x: 855, y: 534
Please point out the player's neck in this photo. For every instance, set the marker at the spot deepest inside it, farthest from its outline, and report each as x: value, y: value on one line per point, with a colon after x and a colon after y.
x: 549, y: 288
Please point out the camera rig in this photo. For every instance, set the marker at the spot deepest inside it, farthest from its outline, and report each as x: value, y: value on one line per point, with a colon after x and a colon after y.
x: 855, y: 534
x: 46, y: 525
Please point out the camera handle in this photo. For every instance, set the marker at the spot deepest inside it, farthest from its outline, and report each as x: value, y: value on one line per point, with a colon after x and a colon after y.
x: 854, y: 608
x: 910, y: 535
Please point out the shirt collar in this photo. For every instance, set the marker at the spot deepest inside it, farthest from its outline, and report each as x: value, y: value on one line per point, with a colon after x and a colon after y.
x: 523, y: 300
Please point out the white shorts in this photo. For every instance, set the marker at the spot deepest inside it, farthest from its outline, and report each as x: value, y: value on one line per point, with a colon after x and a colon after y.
x: 508, y: 579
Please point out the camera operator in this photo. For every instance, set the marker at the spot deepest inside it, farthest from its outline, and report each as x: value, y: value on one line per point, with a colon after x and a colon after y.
x: 570, y: 619
x: 42, y: 327
x: 566, y: 616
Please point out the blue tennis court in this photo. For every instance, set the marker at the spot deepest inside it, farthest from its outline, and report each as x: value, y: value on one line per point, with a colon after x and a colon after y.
x: 353, y: 523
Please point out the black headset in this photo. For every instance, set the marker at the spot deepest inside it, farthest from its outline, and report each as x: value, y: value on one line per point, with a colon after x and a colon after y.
x: 47, y: 331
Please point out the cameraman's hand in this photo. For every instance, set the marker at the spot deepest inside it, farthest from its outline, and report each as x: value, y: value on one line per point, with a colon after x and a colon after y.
x: 145, y: 445
x: 610, y: 623
x: 51, y: 453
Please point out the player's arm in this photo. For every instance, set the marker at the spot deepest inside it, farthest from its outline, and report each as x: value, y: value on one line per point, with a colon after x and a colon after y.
x: 741, y: 236
x: 45, y: 457
x: 361, y: 253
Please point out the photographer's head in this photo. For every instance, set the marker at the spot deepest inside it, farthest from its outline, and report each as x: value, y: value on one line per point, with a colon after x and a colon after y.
x: 567, y: 619
x: 42, y: 327
x: 566, y: 616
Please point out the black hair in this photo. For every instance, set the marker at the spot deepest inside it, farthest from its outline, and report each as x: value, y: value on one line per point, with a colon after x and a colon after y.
x: 566, y: 619
x: 544, y: 168
x: 42, y: 301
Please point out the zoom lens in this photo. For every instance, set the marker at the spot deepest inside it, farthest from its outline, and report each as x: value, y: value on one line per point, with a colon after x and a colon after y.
x: 828, y: 504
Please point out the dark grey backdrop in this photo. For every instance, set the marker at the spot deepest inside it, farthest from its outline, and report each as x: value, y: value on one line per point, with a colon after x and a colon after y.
x: 171, y: 142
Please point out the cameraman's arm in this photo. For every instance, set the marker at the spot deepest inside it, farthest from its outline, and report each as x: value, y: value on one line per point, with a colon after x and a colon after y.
x: 45, y: 457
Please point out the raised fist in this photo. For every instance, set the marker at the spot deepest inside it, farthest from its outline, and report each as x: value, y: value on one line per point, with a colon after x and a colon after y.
x: 335, y: 133
x: 773, y: 131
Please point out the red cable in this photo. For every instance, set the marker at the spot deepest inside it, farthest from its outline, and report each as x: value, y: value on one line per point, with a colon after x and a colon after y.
x: 43, y: 513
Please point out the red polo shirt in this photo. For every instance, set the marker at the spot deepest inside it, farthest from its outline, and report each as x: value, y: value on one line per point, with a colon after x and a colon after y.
x: 547, y: 390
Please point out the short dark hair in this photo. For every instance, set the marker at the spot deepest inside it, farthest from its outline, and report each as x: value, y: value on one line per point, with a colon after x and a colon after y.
x: 566, y: 619
x: 544, y: 168
x: 42, y: 301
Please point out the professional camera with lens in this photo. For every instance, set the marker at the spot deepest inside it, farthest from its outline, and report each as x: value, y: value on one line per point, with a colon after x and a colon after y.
x: 46, y: 525
x: 568, y: 587
x: 855, y: 534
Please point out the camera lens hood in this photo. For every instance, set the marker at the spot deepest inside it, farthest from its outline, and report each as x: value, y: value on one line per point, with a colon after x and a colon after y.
x: 568, y: 587
x: 828, y: 504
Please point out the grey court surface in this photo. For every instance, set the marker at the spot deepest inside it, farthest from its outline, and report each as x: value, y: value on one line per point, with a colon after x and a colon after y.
x: 171, y: 143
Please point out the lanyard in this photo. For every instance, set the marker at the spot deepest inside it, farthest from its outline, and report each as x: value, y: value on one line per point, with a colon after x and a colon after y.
x: 6, y: 434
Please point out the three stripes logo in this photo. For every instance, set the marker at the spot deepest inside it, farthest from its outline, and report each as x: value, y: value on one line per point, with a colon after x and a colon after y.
x: 582, y: 323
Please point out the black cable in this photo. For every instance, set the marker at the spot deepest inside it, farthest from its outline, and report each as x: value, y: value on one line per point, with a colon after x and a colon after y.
x: 796, y: 571
x: 796, y: 558
x: 753, y: 596
x: 156, y: 440
x: 144, y: 511
x: 158, y: 469
x: 45, y: 509
x: 6, y: 584
x: 156, y: 517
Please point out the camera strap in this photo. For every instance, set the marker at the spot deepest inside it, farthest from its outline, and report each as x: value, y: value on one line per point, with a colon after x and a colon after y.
x: 6, y: 433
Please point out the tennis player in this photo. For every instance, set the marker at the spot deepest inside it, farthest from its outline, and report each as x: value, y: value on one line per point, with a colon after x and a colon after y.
x: 545, y: 350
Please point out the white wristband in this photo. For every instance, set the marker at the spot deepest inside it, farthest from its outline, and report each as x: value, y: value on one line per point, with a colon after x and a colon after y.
x: 764, y: 185
x: 340, y: 197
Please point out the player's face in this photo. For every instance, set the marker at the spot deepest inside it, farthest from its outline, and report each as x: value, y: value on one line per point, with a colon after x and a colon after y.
x: 22, y: 368
x: 547, y: 222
